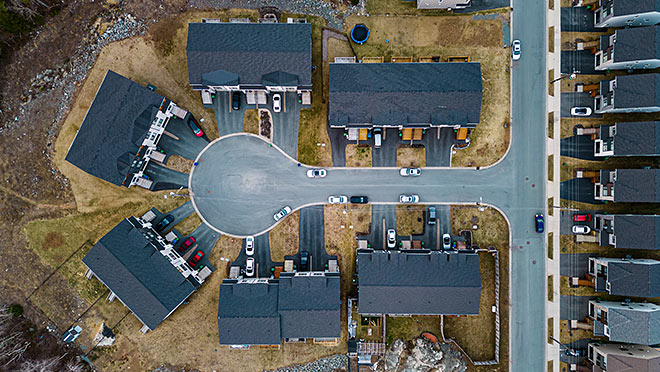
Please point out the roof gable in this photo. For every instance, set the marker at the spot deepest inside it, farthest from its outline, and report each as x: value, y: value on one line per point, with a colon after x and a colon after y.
x: 637, y: 139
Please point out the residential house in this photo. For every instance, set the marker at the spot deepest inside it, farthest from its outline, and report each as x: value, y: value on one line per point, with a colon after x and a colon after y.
x: 295, y: 307
x: 143, y: 270
x: 625, y: 13
x: 623, y: 358
x: 443, y: 4
x: 625, y: 276
x: 628, y: 185
x: 120, y: 132
x: 628, y: 139
x: 404, y: 95
x: 401, y: 283
x: 629, y: 93
x: 630, y: 48
x: 627, y: 231
x: 629, y: 322
x: 252, y: 58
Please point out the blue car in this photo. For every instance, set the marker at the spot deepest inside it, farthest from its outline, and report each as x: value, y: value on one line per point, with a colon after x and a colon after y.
x: 538, y: 219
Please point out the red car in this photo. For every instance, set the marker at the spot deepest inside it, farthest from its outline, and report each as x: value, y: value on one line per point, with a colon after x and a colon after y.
x: 582, y: 217
x: 187, y: 244
x: 194, y: 260
x: 192, y: 123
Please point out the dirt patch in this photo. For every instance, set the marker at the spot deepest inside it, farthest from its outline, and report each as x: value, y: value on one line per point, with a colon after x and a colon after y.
x: 251, y: 121
x: 284, y: 237
x: 409, y: 156
x: 265, y: 124
x: 358, y: 155
x: 189, y: 224
x: 53, y: 240
x: 410, y: 219
x: 179, y: 163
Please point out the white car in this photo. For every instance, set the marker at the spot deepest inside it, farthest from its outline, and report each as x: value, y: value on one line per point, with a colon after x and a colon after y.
x: 581, y: 229
x: 249, y: 267
x: 316, y: 173
x: 581, y: 111
x: 515, y: 50
x: 409, y: 199
x: 446, y: 241
x: 249, y: 245
x: 391, y: 238
x: 277, y: 102
x: 337, y: 199
x: 283, y: 212
x: 410, y: 172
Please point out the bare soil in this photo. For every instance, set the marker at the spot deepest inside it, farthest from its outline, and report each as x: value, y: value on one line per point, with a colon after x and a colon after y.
x: 408, y: 156
x: 284, y: 237
x: 358, y: 155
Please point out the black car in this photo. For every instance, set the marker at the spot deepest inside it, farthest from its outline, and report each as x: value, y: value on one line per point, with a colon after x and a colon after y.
x: 160, y: 226
x: 304, y: 260
x: 236, y: 101
x: 359, y: 199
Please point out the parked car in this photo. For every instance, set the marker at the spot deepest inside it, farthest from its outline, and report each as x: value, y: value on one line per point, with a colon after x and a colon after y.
x: 431, y: 216
x: 187, y: 244
x: 581, y: 229
x: 515, y: 50
x: 194, y: 260
x: 539, y: 222
x: 359, y: 199
x: 160, y: 226
x: 249, y: 245
x: 581, y: 111
x: 409, y: 199
x: 236, y: 101
x: 316, y: 173
x: 410, y: 172
x: 391, y: 238
x: 337, y: 199
x: 378, y: 137
x: 194, y: 126
x: 582, y: 217
x: 304, y: 260
x: 277, y: 102
x: 249, y: 266
x: 446, y: 241
x: 283, y: 212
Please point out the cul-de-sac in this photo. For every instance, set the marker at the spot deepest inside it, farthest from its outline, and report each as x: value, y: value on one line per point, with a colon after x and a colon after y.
x: 330, y: 185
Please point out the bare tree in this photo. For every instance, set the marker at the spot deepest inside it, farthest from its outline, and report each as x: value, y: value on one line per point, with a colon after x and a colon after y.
x: 43, y: 365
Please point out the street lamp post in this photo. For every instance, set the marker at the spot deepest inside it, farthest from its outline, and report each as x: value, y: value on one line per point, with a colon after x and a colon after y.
x: 570, y: 76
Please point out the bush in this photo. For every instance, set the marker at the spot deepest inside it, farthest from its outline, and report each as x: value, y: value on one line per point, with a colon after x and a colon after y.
x: 11, y: 22
x: 16, y: 310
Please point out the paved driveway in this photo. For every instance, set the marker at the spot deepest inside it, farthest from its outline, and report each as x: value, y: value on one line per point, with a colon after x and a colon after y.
x: 576, y: 99
x: 383, y: 218
x: 229, y: 121
x: 578, y: 61
x: 578, y: 19
x: 165, y: 178
x: 580, y: 147
x: 180, y: 140
x: 578, y: 189
x: 575, y: 264
x: 205, y: 239
x: 312, y: 236
x: 285, y: 124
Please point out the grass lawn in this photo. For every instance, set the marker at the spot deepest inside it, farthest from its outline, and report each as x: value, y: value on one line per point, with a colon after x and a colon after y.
x: 452, y: 36
x: 284, y: 237
x: 358, y: 155
x: 492, y: 226
x: 408, y: 156
x: 551, y: 167
x: 251, y: 121
x: 567, y: 335
x: 179, y: 163
x: 410, y: 219
x: 408, y: 328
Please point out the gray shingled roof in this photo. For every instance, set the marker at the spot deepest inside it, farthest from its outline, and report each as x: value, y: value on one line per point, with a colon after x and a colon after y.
x: 637, y: 232
x: 310, y: 306
x: 250, y: 51
x: 637, y: 43
x: 637, y: 185
x: 637, y: 139
x: 392, y: 282
x: 142, y: 278
x: 624, y: 7
x: 642, y: 90
x: 247, y: 313
x: 109, y: 136
x: 391, y: 94
x: 635, y: 327
x: 624, y: 363
x: 634, y: 279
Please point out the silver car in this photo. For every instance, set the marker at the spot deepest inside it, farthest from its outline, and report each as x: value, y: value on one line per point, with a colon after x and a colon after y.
x: 391, y: 238
x: 316, y: 173
x: 283, y: 212
x: 446, y: 241
x: 516, y: 50
x: 337, y: 199
x: 249, y: 267
x: 249, y: 245
x: 410, y: 172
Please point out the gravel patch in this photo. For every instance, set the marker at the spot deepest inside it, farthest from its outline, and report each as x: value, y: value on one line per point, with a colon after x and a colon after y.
x: 328, y: 364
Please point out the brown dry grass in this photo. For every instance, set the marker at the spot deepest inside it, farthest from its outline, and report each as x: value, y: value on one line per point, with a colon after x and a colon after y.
x: 251, y: 121
x: 410, y: 219
x: 408, y: 156
x: 189, y: 224
x: 284, y: 237
x: 179, y: 163
x: 453, y: 36
x: 358, y: 155
x: 492, y: 226
x: 338, y: 48
x: 567, y: 335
